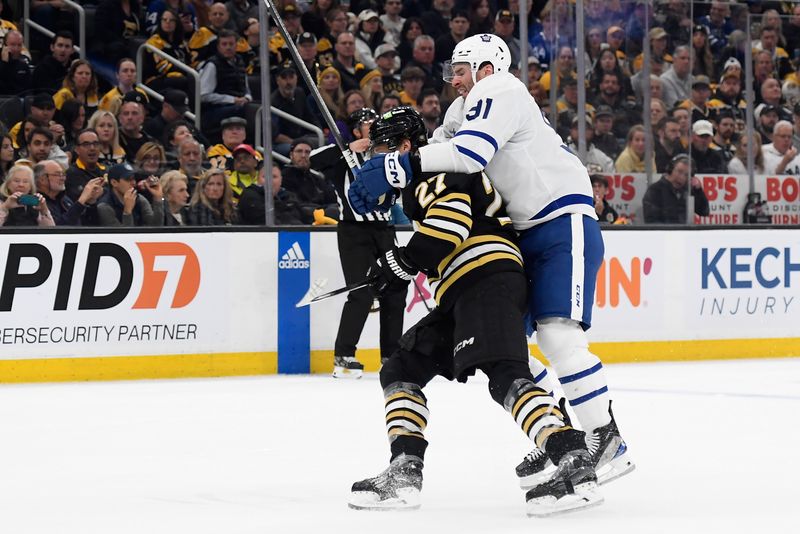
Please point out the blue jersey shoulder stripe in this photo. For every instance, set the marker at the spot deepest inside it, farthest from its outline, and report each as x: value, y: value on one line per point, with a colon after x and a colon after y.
x: 477, y: 157
x: 486, y: 137
x: 562, y: 202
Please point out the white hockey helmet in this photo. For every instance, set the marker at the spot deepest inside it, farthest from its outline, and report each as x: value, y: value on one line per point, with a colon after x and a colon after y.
x: 480, y: 49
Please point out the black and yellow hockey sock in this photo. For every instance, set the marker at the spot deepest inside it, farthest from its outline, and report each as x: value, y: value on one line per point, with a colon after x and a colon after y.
x: 406, y: 418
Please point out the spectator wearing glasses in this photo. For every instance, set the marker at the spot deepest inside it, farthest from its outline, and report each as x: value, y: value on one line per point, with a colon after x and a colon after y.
x: 123, y: 206
x: 51, y: 183
x: 85, y: 166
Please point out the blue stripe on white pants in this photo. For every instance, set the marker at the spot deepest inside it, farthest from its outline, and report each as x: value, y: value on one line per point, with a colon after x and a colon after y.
x: 562, y: 257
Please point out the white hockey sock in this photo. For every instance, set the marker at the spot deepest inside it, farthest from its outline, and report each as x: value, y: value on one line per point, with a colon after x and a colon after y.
x: 580, y: 372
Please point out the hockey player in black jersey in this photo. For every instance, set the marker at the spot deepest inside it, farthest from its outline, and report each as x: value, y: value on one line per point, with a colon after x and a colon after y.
x: 466, y: 245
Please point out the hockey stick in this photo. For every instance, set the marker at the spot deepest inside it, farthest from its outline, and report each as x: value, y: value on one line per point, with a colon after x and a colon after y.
x: 349, y: 157
x: 313, y: 294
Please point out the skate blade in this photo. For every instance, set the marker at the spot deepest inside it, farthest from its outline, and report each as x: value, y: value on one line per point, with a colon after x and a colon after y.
x: 535, y: 479
x: 407, y: 499
x: 341, y: 372
x: 616, y: 468
x: 586, y: 496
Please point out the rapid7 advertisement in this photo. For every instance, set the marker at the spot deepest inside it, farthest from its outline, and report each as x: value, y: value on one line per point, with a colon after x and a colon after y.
x: 110, y: 294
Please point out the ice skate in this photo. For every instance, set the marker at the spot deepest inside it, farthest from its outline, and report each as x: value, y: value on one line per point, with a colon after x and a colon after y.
x: 347, y: 367
x: 609, y: 452
x: 396, y: 488
x: 534, y: 469
x: 572, y: 487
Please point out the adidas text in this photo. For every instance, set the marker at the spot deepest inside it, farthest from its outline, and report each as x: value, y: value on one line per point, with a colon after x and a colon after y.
x: 294, y: 258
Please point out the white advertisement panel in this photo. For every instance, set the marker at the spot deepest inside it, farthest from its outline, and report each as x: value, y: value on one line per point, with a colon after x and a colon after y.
x: 75, y: 295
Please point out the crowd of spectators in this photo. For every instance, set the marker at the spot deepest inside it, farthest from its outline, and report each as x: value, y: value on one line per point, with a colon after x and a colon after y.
x: 102, y: 151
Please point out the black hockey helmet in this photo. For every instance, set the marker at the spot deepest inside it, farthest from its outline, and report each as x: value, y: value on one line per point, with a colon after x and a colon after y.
x: 359, y: 116
x: 402, y: 122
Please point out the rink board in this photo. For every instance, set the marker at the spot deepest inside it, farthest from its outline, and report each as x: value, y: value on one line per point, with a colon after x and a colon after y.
x: 106, y: 306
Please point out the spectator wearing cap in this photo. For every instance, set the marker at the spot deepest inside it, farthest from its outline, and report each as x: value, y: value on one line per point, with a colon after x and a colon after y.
x: 291, y: 21
x: 386, y: 59
x: 675, y: 82
x: 615, y: 39
x: 729, y: 94
x: 413, y: 79
x: 697, y: 103
x: 766, y: 118
x: 242, y: 10
x: 329, y: 82
x: 372, y: 88
x: 52, y: 68
x: 705, y: 158
x: 446, y: 43
x: 669, y: 142
x: 780, y: 157
x: 567, y: 106
x: 658, y: 49
x: 435, y: 21
x: 115, y: 22
x: 719, y: 25
x: 233, y: 134
x: 391, y: 21
x: 122, y: 205
x: 223, y: 83
x: 504, y: 28
x: 175, y: 104
x: 290, y: 98
x: 369, y: 36
x: 604, y: 137
x: 664, y: 201
x: 170, y: 39
x: 595, y: 158
x: 422, y: 56
x: 307, y: 48
x: 184, y: 8
x: 725, y: 135
x: 345, y: 61
x: 126, y: 82
x: 50, y: 182
x: 245, y: 169
x: 131, y: 120
x: 42, y: 111
x: 85, y: 167
x: 16, y: 70
x: 605, y: 213
x: 626, y: 112
x: 313, y: 192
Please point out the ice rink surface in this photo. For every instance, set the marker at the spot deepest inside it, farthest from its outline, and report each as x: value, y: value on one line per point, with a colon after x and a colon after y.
x: 716, y: 447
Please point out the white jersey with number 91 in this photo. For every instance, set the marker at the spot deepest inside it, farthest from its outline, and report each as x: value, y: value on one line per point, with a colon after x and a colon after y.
x: 504, y: 133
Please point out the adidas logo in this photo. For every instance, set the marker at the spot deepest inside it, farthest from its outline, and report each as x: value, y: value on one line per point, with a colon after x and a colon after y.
x: 294, y: 258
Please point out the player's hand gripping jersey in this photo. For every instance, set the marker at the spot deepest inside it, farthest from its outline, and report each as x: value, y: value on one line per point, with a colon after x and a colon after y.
x: 462, y: 232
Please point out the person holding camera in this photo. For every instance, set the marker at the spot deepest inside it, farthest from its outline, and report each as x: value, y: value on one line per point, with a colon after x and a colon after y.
x: 21, y: 205
x: 123, y: 206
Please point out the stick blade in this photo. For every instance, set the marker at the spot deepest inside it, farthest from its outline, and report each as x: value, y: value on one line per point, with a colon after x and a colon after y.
x: 313, y: 292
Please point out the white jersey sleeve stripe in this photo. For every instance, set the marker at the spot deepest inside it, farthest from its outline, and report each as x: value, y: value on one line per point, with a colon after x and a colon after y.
x: 474, y: 155
x: 486, y: 137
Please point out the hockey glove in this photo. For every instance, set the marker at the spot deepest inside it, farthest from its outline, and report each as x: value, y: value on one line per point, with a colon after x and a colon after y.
x: 378, y: 177
x: 389, y: 271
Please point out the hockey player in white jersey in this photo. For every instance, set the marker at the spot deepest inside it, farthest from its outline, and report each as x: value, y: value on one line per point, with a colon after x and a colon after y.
x: 550, y: 201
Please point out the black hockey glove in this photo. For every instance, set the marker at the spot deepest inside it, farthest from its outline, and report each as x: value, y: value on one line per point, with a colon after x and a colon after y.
x: 389, y: 271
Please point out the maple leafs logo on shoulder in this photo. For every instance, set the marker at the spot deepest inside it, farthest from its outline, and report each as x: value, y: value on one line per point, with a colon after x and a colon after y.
x: 486, y: 38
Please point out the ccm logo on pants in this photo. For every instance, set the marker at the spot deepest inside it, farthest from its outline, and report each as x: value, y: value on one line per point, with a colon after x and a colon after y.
x: 103, y: 261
